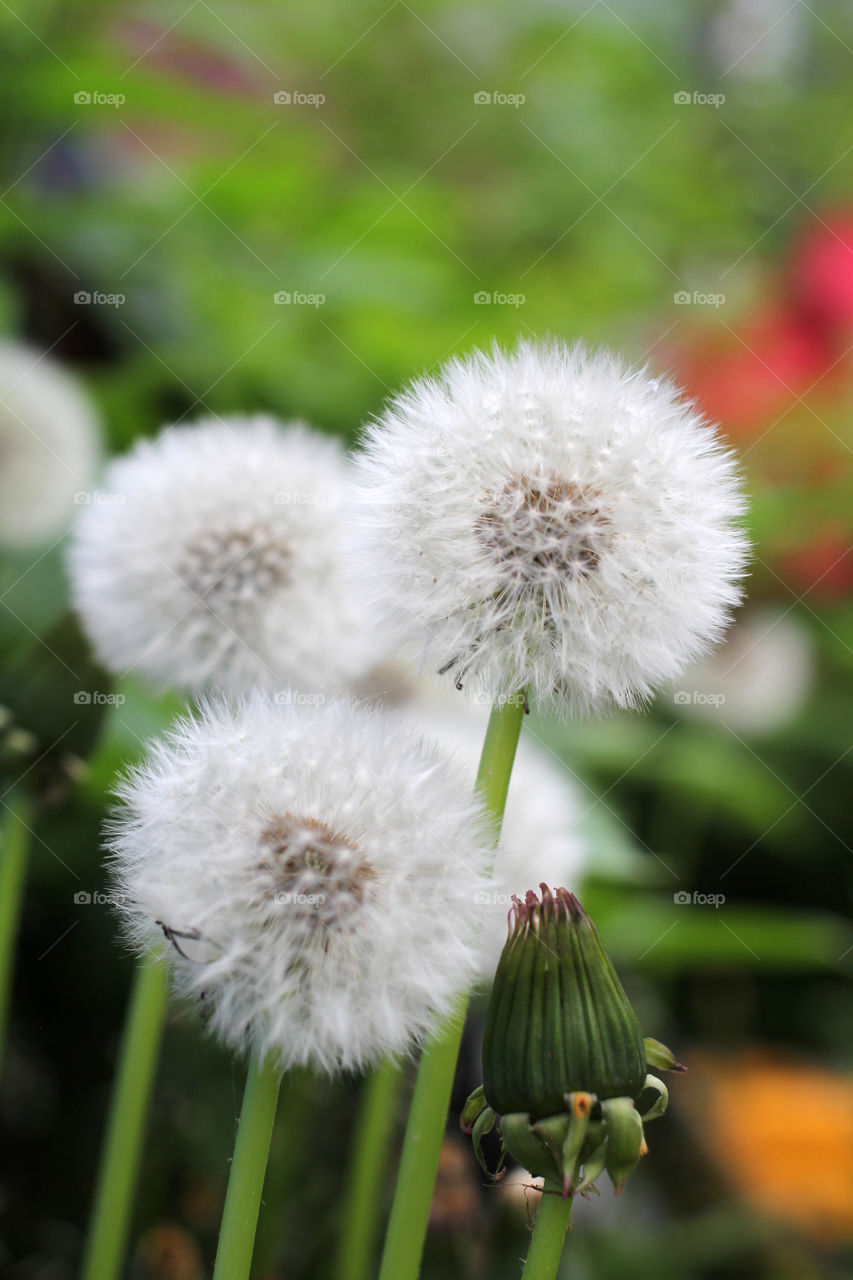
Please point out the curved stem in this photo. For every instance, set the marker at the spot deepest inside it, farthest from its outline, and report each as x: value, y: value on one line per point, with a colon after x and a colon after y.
x: 248, y: 1168
x: 14, y: 855
x: 120, y: 1157
x: 407, y: 1226
x: 363, y: 1197
x: 553, y: 1220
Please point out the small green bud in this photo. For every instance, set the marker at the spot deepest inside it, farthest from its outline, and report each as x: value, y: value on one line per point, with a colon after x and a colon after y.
x: 559, y: 1020
x: 564, y: 1062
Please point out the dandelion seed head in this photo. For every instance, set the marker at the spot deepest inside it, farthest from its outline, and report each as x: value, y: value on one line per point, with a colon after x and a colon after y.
x: 216, y: 564
x: 49, y: 446
x: 317, y: 871
x: 549, y: 519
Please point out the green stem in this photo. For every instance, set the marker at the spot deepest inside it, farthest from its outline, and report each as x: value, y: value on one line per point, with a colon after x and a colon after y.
x: 407, y: 1226
x: 248, y: 1168
x: 289, y: 1152
x: 553, y: 1220
x: 120, y: 1158
x: 363, y: 1198
x: 13, y: 872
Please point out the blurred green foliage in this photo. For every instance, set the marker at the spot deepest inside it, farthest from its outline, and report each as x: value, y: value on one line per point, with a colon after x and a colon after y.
x: 399, y: 198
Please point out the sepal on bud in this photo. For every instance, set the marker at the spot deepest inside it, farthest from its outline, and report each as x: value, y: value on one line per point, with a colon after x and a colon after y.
x: 659, y: 1057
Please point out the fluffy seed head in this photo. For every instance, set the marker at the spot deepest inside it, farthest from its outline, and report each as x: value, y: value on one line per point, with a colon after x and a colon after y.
x: 540, y: 836
x: 758, y: 681
x: 317, y: 871
x: 213, y: 560
x: 549, y: 520
x: 49, y: 445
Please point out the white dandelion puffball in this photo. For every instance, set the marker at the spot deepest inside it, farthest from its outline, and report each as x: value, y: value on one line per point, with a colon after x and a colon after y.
x: 550, y: 520
x: 317, y: 870
x: 540, y: 837
x: 213, y: 560
x: 758, y: 681
x: 49, y: 446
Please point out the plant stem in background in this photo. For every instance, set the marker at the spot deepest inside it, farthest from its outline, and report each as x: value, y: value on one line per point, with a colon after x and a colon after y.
x: 553, y: 1219
x: 368, y: 1161
x: 120, y: 1159
x: 14, y: 852
x: 248, y: 1169
x: 428, y: 1115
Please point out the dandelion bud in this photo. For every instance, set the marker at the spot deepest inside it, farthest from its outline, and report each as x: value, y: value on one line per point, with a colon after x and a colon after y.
x: 565, y: 1066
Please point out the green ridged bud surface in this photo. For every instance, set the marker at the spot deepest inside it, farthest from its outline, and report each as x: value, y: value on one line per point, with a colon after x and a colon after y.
x: 559, y: 1021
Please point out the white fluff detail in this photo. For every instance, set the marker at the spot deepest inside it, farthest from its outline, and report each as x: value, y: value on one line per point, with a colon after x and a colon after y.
x: 540, y: 836
x: 550, y: 520
x: 759, y: 680
x: 49, y: 446
x: 213, y: 560
x: 319, y: 873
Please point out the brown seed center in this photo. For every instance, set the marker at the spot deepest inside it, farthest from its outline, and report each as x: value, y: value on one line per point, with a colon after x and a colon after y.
x: 235, y: 566
x: 314, y: 867
x: 541, y: 528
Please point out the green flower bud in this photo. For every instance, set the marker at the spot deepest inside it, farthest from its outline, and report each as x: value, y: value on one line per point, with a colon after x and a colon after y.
x: 559, y: 1020
x: 564, y: 1062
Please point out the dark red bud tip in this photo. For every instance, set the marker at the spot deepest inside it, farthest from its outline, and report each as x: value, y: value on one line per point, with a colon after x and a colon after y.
x: 554, y: 904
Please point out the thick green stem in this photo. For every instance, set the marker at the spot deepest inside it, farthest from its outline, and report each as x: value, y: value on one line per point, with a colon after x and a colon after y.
x: 553, y: 1220
x: 14, y: 854
x: 117, y: 1178
x: 248, y: 1168
x: 407, y: 1226
x: 363, y: 1199
x: 290, y: 1150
